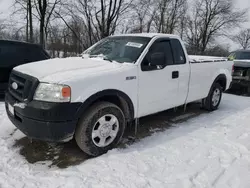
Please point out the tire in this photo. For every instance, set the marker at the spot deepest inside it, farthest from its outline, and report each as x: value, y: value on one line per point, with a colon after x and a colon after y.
x: 210, y: 103
x: 102, y: 119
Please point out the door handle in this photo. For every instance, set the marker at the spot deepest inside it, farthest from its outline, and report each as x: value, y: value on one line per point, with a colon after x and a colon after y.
x: 175, y: 74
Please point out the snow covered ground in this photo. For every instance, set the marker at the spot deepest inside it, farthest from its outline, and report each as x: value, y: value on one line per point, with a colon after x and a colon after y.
x: 211, y: 150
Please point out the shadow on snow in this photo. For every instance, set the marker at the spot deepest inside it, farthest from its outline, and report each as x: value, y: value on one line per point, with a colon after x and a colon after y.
x: 68, y: 154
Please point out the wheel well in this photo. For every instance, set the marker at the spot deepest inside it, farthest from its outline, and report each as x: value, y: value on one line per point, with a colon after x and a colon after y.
x: 221, y: 79
x: 119, y: 101
x: 113, y: 96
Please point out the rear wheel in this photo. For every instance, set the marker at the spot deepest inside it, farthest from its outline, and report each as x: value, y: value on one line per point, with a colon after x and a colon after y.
x: 100, y: 129
x: 213, y: 99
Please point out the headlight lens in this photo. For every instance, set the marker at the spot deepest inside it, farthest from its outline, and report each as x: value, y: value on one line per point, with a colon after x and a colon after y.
x: 52, y: 93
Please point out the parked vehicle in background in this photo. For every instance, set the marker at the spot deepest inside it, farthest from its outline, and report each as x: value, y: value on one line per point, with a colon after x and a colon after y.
x: 14, y: 53
x: 118, y: 80
x: 241, y: 70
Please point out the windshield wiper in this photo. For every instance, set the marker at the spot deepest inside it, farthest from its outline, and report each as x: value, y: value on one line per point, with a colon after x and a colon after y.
x: 101, y: 56
x: 107, y: 59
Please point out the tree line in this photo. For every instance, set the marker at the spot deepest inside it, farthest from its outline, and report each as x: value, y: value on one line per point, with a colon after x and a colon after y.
x: 68, y: 27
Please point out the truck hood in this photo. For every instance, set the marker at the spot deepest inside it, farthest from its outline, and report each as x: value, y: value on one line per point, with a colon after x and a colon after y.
x: 242, y: 63
x: 59, y: 69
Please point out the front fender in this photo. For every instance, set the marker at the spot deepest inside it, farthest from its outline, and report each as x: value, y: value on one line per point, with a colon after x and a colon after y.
x: 83, y: 88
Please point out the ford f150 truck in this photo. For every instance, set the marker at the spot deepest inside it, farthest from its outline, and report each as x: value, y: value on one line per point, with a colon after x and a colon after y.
x: 116, y: 81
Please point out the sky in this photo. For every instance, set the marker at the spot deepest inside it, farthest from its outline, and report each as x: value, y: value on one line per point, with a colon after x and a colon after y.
x: 5, y: 11
x: 5, y: 5
x: 241, y: 4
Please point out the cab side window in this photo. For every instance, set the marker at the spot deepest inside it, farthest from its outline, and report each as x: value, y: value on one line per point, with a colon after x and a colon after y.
x: 179, y: 55
x: 159, y: 56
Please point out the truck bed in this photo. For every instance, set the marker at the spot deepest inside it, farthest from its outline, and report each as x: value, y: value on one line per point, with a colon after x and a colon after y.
x: 204, y: 59
x: 203, y: 72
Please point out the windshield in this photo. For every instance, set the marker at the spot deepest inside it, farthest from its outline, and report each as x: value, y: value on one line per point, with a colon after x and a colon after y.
x: 120, y: 48
x: 240, y: 55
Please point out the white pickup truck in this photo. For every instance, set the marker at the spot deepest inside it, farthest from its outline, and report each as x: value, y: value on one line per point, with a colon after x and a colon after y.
x: 116, y: 81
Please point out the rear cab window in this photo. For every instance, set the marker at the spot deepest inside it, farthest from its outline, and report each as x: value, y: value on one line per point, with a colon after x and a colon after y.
x: 178, y: 53
x: 243, y: 55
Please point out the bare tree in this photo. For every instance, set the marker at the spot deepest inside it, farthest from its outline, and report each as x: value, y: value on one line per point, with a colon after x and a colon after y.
x: 170, y: 14
x: 71, y: 26
x: 30, y: 18
x: 218, y: 50
x: 85, y: 9
x: 108, y: 15
x: 142, y: 15
x: 211, y: 18
x: 182, y: 23
x: 12, y: 33
x: 25, y: 7
x: 40, y: 11
x: 2, y: 27
x: 45, y: 9
x: 243, y: 38
x: 100, y: 16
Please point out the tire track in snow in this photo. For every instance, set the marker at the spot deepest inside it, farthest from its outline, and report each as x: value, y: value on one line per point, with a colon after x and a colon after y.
x: 218, y: 177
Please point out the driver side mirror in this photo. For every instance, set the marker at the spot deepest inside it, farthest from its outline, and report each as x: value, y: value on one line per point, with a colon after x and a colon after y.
x: 157, y: 59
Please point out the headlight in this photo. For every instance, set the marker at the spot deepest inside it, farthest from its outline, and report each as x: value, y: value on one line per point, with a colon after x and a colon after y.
x: 52, y: 93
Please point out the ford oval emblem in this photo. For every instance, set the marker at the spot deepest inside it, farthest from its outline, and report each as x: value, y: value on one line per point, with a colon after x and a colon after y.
x: 14, y: 85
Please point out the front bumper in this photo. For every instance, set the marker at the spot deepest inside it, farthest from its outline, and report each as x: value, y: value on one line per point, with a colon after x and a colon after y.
x: 55, y: 122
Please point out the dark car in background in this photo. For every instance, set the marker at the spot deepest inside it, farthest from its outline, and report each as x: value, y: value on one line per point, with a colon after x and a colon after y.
x: 14, y: 53
x: 241, y: 69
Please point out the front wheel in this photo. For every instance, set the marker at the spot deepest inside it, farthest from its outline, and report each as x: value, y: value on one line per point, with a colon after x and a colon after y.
x: 213, y: 99
x: 100, y: 129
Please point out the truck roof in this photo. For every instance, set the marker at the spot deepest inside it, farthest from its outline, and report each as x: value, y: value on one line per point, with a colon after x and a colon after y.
x: 241, y: 50
x: 149, y: 35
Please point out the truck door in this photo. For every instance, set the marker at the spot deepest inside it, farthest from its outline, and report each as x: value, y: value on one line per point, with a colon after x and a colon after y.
x: 158, y: 85
x: 182, y: 65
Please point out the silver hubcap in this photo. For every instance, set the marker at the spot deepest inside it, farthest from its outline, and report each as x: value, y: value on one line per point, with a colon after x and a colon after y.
x: 216, y: 97
x: 105, y: 130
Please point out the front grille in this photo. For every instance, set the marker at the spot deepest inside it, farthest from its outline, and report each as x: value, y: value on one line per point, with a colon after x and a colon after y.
x: 26, y: 86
